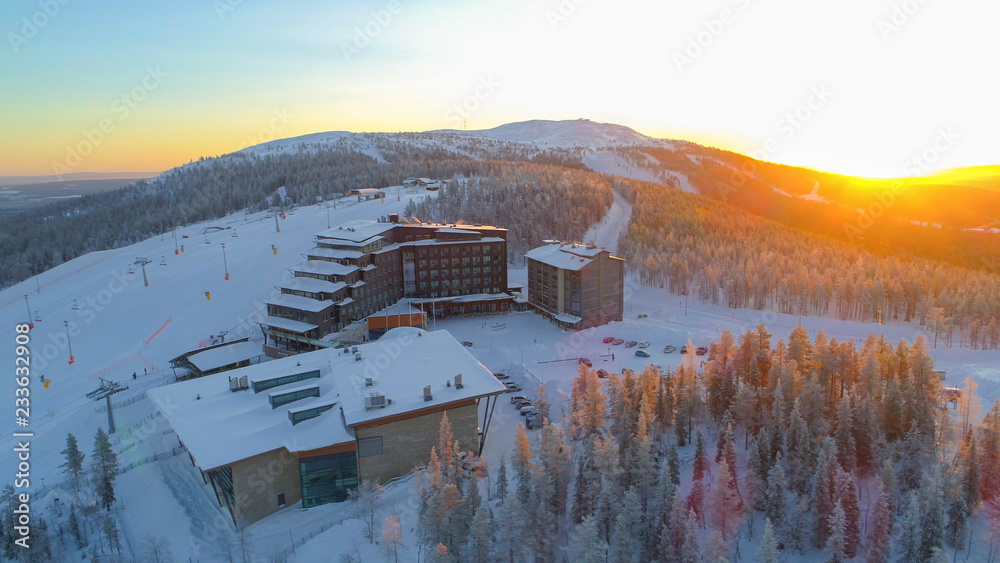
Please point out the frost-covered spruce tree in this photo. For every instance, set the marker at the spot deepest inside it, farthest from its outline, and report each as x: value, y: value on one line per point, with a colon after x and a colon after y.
x: 105, y: 462
x: 502, y: 479
x: 847, y: 497
x: 767, y: 551
x: 836, y: 542
x: 883, y: 522
x: 73, y: 465
x: 585, y: 543
x: 932, y: 518
x: 910, y: 535
x: 776, y: 499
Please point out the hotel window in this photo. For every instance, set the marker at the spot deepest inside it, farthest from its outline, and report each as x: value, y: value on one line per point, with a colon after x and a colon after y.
x: 368, y: 447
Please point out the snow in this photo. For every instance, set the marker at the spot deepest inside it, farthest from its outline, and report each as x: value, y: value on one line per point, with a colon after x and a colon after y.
x: 220, y: 426
x: 413, y: 359
x: 608, y: 162
x: 312, y: 285
x: 566, y: 133
x: 324, y: 268
x: 457, y: 231
x: 568, y: 318
x: 557, y: 256
x: 288, y: 324
x: 334, y: 253
x: 220, y: 356
x: 112, y: 338
x: 814, y: 195
x: 356, y: 231
x: 606, y: 232
x: 298, y: 302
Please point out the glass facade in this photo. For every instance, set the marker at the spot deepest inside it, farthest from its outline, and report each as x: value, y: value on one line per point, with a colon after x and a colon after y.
x: 327, y: 478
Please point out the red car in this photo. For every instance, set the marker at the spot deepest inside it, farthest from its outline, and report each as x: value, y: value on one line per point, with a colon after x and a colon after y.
x: 602, y: 374
x: 608, y: 339
x: 586, y: 362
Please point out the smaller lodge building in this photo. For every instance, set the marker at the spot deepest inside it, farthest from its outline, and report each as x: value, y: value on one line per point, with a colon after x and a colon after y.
x: 319, y: 423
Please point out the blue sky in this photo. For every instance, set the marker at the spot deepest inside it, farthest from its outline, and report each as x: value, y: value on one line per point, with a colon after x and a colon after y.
x: 740, y: 74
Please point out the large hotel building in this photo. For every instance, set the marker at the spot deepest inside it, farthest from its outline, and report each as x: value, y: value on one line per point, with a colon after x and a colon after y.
x: 358, y: 269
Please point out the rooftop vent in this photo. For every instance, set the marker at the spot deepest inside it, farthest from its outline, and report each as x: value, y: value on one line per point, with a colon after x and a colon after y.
x: 234, y: 384
x: 369, y: 382
x: 458, y: 381
x: 427, y: 394
x: 357, y: 356
x: 375, y: 401
x: 244, y: 383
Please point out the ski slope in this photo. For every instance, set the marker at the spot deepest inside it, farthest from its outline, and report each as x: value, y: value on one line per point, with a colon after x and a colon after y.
x: 122, y: 326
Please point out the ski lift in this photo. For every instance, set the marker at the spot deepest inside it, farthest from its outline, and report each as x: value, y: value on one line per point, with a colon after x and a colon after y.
x: 38, y: 319
x: 76, y: 306
x: 234, y: 235
x: 131, y: 270
x: 163, y: 261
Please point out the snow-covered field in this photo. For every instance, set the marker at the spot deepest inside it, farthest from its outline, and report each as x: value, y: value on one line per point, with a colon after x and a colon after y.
x: 121, y: 327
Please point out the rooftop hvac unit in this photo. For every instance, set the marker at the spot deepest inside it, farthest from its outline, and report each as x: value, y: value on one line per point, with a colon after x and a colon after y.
x: 375, y: 401
x: 234, y: 384
x: 458, y: 381
x: 369, y: 382
x: 244, y: 382
x: 354, y: 349
x: 357, y: 356
x: 427, y: 394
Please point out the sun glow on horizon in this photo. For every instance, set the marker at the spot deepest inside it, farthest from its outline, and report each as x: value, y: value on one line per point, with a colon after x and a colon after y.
x: 760, y: 79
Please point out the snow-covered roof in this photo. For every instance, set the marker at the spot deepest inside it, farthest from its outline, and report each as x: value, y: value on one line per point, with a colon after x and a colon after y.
x: 416, y: 358
x: 335, y: 253
x: 567, y: 318
x: 223, y: 426
x: 346, y: 301
x: 403, y: 307
x: 457, y: 231
x: 356, y: 231
x: 312, y: 285
x: 434, y: 242
x: 554, y: 255
x: 426, y: 180
x: 220, y: 356
x: 324, y: 268
x: 288, y: 324
x: 301, y: 303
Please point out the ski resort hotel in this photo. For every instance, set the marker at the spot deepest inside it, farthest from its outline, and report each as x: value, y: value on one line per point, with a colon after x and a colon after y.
x: 309, y: 428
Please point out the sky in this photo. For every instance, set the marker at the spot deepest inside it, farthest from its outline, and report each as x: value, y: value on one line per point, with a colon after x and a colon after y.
x: 857, y: 87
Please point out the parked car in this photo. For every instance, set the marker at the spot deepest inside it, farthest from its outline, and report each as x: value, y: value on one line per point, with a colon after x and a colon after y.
x: 608, y: 339
x: 644, y: 344
x: 586, y: 362
x: 467, y: 344
x: 511, y: 386
x: 684, y: 349
x: 522, y: 402
x: 642, y: 353
x: 501, y: 375
x: 533, y: 420
x: 630, y: 343
x: 668, y: 349
x: 701, y: 351
x: 617, y: 341
x: 602, y: 374
x: 642, y: 315
x: 514, y: 398
x: 526, y: 409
